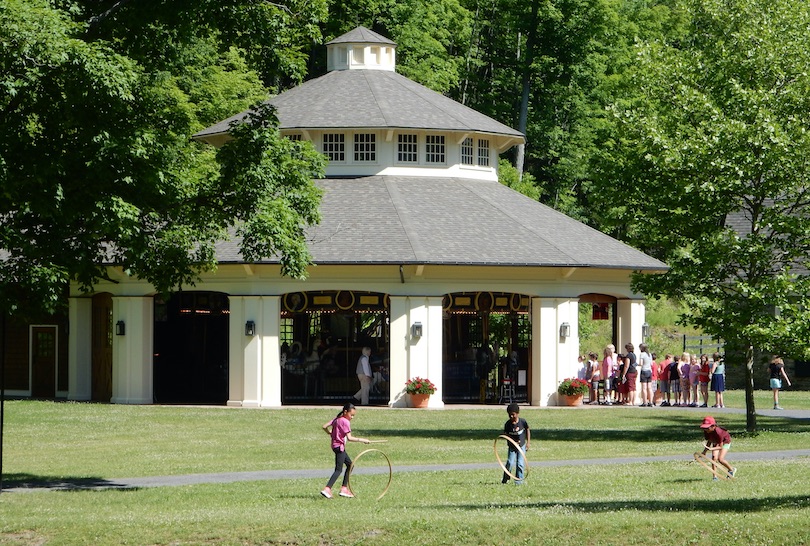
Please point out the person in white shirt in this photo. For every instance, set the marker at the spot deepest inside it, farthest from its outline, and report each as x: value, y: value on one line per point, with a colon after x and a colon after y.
x: 364, y: 375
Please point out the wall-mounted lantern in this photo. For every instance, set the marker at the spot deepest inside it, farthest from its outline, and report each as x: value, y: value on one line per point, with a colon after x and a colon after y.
x: 416, y: 329
x: 250, y: 328
x: 120, y: 328
x: 645, y: 331
x: 565, y: 330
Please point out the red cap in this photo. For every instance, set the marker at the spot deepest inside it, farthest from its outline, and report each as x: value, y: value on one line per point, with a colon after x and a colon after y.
x: 708, y: 421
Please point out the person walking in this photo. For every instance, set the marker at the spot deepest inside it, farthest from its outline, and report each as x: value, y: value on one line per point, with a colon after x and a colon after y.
x: 340, y: 430
x: 364, y: 375
x: 777, y: 373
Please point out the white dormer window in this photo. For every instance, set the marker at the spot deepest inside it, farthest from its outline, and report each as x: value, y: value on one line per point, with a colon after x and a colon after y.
x: 407, y: 148
x: 359, y: 55
x: 434, y: 149
x: 467, y: 151
x: 483, y: 152
x: 334, y: 146
x: 365, y: 147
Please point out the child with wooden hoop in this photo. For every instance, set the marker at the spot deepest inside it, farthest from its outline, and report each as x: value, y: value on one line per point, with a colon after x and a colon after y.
x: 718, y: 441
x: 340, y: 429
x: 517, y: 429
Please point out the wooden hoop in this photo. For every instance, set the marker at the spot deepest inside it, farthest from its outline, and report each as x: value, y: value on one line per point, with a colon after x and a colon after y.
x: 707, y: 463
x: 354, y: 462
x: 520, y: 451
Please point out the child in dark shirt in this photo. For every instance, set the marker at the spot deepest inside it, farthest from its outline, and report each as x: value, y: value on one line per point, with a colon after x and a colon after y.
x: 518, y: 430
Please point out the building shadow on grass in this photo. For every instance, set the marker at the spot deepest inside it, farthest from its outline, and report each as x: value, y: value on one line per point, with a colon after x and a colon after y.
x: 31, y: 482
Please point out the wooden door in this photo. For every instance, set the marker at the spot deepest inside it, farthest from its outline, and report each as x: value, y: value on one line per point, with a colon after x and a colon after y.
x: 43, y: 361
x: 101, y: 381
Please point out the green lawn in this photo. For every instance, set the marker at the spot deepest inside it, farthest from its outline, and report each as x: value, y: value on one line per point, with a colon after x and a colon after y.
x: 672, y: 502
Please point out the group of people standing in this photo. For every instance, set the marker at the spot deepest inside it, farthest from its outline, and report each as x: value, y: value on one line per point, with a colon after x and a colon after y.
x: 678, y: 380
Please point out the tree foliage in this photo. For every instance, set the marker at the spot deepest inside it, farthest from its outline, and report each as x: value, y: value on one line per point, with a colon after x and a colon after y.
x: 709, y: 155
x: 97, y: 164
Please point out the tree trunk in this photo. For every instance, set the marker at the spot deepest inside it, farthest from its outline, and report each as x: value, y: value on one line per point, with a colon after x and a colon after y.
x: 750, y: 410
x: 526, y: 83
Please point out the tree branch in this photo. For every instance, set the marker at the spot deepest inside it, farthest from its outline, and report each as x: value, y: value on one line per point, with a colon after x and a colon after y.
x: 98, y: 19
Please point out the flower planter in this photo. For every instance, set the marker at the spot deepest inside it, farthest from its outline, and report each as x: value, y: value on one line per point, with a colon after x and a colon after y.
x: 419, y: 400
x: 566, y: 400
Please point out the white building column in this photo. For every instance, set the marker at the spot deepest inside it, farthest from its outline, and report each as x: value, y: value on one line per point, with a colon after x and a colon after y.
x: 630, y: 316
x: 132, y: 352
x: 269, y: 329
x: 254, y: 370
x: 245, y: 362
x: 240, y: 349
x: 80, y: 348
x: 554, y: 357
x: 413, y: 355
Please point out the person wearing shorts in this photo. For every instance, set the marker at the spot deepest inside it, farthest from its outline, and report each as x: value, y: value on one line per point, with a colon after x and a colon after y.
x: 645, y: 377
x: 703, y: 380
x: 718, y: 441
x: 777, y: 372
x: 675, y: 380
x: 607, y: 373
x: 663, y: 379
x: 718, y: 379
x: 684, y: 367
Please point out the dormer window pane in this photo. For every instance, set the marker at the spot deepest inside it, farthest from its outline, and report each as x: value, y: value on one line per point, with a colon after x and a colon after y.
x: 467, y: 151
x: 483, y: 152
x: 434, y: 148
x: 407, y: 149
x: 295, y: 137
x: 365, y: 147
x: 334, y: 146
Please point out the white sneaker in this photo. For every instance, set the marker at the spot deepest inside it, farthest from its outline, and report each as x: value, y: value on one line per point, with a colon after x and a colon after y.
x: 327, y: 492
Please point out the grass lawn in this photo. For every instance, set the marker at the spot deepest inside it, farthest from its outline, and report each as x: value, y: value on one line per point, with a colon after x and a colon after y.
x: 668, y: 502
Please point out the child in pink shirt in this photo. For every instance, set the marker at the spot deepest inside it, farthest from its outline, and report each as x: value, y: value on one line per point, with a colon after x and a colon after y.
x: 340, y: 429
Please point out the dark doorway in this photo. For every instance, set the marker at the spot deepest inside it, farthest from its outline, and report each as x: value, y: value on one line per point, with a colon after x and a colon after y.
x: 43, y: 361
x: 191, y: 348
x: 101, y: 381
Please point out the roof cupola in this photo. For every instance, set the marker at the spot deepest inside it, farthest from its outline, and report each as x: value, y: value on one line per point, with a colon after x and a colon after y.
x: 361, y: 49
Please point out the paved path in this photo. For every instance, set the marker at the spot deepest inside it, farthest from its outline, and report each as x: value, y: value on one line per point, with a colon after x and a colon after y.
x: 264, y: 475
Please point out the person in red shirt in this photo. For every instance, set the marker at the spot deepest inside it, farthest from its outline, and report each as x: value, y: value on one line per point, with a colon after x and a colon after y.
x: 718, y: 441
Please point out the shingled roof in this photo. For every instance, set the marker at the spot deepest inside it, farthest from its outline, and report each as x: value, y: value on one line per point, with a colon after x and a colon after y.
x: 370, y: 99
x: 451, y: 221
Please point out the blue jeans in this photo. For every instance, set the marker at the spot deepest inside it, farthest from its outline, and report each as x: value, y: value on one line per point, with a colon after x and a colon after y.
x: 515, y: 460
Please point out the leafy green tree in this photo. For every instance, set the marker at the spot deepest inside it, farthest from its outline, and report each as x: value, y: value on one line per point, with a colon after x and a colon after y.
x: 717, y: 131
x: 97, y: 164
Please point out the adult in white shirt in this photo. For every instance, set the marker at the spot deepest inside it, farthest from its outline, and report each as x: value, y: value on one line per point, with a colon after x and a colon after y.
x: 364, y: 375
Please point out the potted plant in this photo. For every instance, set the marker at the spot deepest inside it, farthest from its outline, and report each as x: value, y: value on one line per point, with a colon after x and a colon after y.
x: 419, y: 389
x: 571, y: 391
